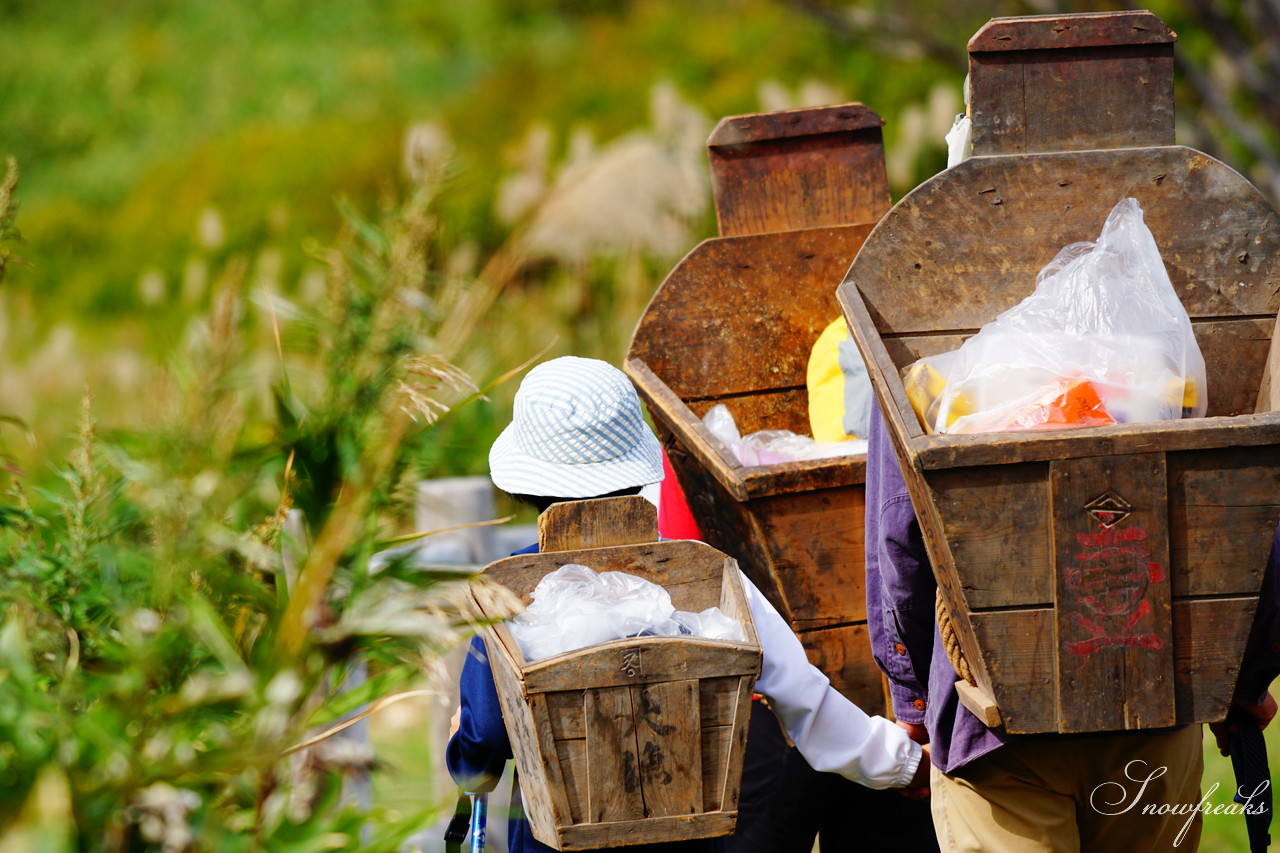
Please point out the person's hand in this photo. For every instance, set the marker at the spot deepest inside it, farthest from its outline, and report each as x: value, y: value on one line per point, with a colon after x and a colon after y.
x: 916, y: 731
x: 1263, y: 712
x: 918, y: 787
x: 455, y: 721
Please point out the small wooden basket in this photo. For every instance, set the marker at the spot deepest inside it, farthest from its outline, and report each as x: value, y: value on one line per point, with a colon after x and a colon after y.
x: 633, y: 741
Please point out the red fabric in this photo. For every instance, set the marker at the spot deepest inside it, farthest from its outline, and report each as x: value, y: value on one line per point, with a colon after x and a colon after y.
x: 675, y: 521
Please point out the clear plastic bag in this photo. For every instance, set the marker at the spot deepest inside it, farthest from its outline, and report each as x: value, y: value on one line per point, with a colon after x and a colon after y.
x: 771, y: 446
x: 574, y: 607
x: 1103, y: 339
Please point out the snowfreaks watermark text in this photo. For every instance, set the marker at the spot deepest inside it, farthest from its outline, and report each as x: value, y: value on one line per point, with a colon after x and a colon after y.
x: 1115, y: 798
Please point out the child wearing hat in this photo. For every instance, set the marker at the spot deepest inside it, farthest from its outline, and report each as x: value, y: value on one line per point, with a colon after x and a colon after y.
x: 577, y: 432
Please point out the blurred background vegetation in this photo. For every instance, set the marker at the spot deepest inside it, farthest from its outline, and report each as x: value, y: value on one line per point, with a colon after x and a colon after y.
x: 170, y: 152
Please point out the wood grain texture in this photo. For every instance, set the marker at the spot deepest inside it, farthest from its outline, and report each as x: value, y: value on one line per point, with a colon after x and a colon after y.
x: 643, y: 660
x: 1112, y: 600
x: 1223, y: 509
x: 995, y: 520
x: 1095, y: 29
x: 595, y: 836
x: 613, y: 757
x: 1268, y: 399
x: 1018, y: 647
x: 670, y: 757
x: 738, y: 315
x: 1211, y: 635
x: 597, y: 523
x: 968, y: 243
x: 843, y: 653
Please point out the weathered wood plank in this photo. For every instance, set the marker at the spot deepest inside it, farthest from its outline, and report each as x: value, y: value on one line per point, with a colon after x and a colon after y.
x: 1211, y: 635
x: 642, y: 660
x: 573, y: 757
x: 989, y: 514
x: 1112, y: 600
x: 1223, y: 509
x: 595, y: 836
x: 670, y: 757
x: 1269, y: 384
x: 1019, y: 649
x: 717, y: 742
x: 738, y: 315
x: 613, y: 758
x: 843, y: 654
x: 805, y: 168
x: 598, y: 523
x: 1041, y: 32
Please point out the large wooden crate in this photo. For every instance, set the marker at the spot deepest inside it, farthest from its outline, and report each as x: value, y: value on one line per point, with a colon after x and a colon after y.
x: 796, y: 193
x: 633, y: 741
x: 1172, y: 521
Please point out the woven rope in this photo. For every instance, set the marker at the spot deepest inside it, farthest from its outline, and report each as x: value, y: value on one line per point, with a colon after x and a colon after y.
x: 950, y: 641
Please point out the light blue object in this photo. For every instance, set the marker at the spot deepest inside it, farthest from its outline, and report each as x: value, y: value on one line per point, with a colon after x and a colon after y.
x: 857, y: 389
x: 479, y: 819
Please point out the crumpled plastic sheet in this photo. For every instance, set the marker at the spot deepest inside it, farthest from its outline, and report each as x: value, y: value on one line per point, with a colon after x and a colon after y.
x: 1102, y: 339
x: 574, y: 607
x: 771, y: 446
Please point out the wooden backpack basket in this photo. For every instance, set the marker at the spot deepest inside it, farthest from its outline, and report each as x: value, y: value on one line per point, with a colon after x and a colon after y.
x: 796, y: 193
x: 1070, y: 114
x: 633, y: 741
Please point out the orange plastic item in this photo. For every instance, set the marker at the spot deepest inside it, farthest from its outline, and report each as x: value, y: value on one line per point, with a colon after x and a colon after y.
x: 1078, y: 405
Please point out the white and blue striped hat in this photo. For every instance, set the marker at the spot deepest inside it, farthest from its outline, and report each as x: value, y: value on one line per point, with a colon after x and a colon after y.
x: 577, y: 432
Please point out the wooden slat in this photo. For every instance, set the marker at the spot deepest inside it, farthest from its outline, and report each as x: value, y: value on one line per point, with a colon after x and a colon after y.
x: 1269, y: 384
x: 989, y: 514
x: 817, y: 551
x: 596, y: 836
x: 1071, y: 82
x: 718, y: 700
x: 935, y: 452
x: 738, y: 315
x: 613, y: 767
x: 598, y: 523
x: 1224, y: 506
x: 1019, y: 649
x: 529, y: 727
x: 1211, y: 635
x: 565, y: 711
x: 1112, y: 600
x: 643, y: 660
x: 1041, y: 32
x: 716, y: 744
x: 573, y: 754
x: 670, y: 756
x: 843, y: 653
x: 795, y: 169
x: 737, y: 747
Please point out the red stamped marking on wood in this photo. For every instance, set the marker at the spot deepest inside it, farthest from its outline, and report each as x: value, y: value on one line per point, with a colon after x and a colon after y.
x: 1110, y: 580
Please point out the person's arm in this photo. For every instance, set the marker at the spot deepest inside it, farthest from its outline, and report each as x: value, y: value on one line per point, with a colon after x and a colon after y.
x: 1261, y: 662
x: 833, y: 734
x: 479, y: 749
x: 900, y: 587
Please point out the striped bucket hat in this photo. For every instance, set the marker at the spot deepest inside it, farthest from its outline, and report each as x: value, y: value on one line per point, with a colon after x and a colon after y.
x: 576, y: 432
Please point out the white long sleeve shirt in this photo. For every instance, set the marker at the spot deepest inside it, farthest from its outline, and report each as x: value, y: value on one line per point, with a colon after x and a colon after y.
x: 833, y: 734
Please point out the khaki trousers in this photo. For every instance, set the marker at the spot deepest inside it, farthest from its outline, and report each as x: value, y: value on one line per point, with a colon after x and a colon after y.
x: 1075, y: 793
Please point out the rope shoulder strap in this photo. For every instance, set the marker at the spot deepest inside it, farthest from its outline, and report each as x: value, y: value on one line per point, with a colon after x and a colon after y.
x: 950, y: 641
